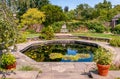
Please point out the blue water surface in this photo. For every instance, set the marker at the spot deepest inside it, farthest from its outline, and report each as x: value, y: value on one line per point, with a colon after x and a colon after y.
x: 74, y: 52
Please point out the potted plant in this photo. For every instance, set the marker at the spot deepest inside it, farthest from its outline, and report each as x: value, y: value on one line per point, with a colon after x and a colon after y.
x: 8, y: 61
x: 103, y: 59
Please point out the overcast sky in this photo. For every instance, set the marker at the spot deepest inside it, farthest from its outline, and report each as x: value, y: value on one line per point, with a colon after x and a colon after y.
x: 73, y: 3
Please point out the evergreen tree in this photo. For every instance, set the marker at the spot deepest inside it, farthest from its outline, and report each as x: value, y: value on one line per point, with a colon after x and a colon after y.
x: 66, y: 9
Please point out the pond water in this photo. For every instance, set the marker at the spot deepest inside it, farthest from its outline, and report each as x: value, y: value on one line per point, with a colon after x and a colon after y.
x: 61, y: 53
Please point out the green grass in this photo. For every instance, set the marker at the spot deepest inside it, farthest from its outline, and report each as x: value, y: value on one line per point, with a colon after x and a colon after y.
x: 32, y: 35
x: 79, y: 34
x: 117, y: 78
x: 113, y: 67
x: 28, y: 68
x: 102, y: 35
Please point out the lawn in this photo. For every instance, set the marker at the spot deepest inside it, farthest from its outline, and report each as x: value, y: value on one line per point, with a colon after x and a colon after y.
x: 102, y: 35
x: 32, y: 35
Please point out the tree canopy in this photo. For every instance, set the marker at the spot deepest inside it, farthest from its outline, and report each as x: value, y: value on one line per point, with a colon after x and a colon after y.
x: 81, y: 9
x: 53, y: 13
x: 24, y: 5
x: 102, y: 11
x: 33, y: 16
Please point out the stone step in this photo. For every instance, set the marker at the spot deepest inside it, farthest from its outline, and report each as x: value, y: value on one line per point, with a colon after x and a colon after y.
x: 115, y: 73
x: 20, y: 74
x: 111, y: 75
x: 62, y: 76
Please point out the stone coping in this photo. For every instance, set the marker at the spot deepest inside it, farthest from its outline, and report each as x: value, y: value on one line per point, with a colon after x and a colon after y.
x: 20, y: 74
x: 24, y: 46
x: 70, y: 36
x: 111, y: 75
x: 60, y: 42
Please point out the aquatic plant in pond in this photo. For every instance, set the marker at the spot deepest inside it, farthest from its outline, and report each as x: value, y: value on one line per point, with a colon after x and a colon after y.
x: 55, y: 55
x: 69, y: 57
x: 61, y: 52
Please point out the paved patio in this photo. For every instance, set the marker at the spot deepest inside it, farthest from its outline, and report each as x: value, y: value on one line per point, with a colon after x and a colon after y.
x: 62, y: 70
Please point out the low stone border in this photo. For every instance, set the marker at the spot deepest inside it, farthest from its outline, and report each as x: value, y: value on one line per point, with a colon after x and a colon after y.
x: 84, y: 42
x: 95, y: 38
x: 24, y: 46
x: 60, y: 42
x: 74, y: 37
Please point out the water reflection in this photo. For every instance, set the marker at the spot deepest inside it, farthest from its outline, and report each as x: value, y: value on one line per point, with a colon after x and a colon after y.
x: 74, y: 52
x: 41, y: 53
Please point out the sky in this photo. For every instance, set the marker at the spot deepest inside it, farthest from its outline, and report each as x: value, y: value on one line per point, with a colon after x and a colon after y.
x: 72, y: 4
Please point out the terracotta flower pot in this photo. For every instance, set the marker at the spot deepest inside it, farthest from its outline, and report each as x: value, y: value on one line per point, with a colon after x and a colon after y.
x: 11, y: 66
x: 103, y: 69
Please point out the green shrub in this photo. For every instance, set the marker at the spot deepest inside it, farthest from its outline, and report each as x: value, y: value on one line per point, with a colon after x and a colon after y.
x: 8, y: 34
x: 47, y: 33
x: 31, y: 31
x: 114, y: 67
x: 27, y: 68
x: 22, y: 37
x: 57, y: 26
x: 103, y: 57
x: 7, y: 59
x: 117, y: 29
x: 71, y: 26
x: 115, y: 41
x: 95, y: 27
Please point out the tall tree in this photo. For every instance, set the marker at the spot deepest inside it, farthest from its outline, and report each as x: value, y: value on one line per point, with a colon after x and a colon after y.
x: 117, y: 8
x: 32, y: 4
x: 103, y: 10
x: 66, y: 9
x: 105, y: 5
x: 83, y: 11
x: 87, y: 14
x: 32, y: 16
x: 70, y: 15
x: 53, y: 13
x: 40, y: 3
x: 24, y: 5
x: 22, y: 8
